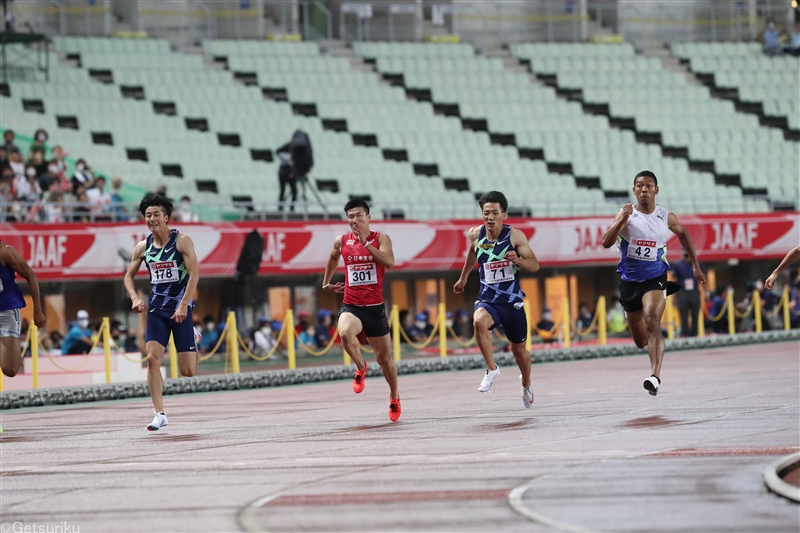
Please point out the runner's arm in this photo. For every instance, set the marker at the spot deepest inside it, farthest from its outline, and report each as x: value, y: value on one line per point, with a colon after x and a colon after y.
x: 469, y: 261
x: 791, y: 257
x: 522, y: 255
x: 11, y: 257
x: 133, y: 268
x: 688, y: 246
x: 384, y: 254
x: 185, y: 246
x: 333, y: 263
x: 612, y: 233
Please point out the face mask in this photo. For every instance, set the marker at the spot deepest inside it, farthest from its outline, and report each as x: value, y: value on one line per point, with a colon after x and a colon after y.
x: 185, y: 206
x: 41, y: 137
x: 419, y: 324
x: 547, y: 316
x: 31, y: 172
x: 210, y: 326
x: 80, y: 166
x: 265, y: 330
x: 771, y: 26
x: 83, y: 323
x: 448, y: 323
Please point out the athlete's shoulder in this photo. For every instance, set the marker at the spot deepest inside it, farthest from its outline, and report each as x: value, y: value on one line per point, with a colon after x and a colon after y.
x: 475, y: 232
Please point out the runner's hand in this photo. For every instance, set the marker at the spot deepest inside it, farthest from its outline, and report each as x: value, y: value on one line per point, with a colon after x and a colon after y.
x: 701, y: 277
x: 770, y: 282
x: 137, y: 305
x: 512, y: 256
x: 458, y: 288
x: 39, y: 319
x: 180, y: 313
x: 627, y: 210
x: 338, y: 287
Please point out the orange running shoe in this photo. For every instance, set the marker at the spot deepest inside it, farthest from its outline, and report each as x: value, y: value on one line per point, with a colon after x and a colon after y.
x: 358, y: 379
x: 394, y: 409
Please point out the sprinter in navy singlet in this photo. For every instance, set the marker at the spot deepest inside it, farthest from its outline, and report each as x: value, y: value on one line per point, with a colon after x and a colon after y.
x: 172, y: 264
x: 11, y: 301
x: 500, y: 253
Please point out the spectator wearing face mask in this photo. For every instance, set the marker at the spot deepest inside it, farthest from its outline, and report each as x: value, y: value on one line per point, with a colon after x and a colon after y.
x: 99, y: 200
x: 39, y: 139
x: 83, y: 176
x: 185, y: 213
x: 27, y: 189
x: 419, y: 329
x: 545, y: 326
x: 210, y: 335
x: 771, y: 37
x: 36, y: 159
x: 263, y: 340
x: 79, y: 337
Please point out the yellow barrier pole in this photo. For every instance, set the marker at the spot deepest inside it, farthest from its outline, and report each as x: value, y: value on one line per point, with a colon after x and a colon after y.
x: 233, y: 345
x: 528, y: 340
x: 565, y: 326
x: 757, y: 310
x: 442, y: 331
x: 701, y: 319
x: 107, y: 347
x: 347, y: 361
x: 2, y: 385
x: 33, y: 342
x: 395, y: 318
x: 786, y: 321
x: 288, y: 323
x: 670, y: 318
x: 731, y: 318
x: 602, y: 321
x: 173, y: 358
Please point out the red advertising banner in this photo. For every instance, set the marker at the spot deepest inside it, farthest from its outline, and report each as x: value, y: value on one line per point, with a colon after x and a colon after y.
x: 99, y: 251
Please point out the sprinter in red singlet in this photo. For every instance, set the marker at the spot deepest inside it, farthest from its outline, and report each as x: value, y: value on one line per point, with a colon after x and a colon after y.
x: 367, y: 254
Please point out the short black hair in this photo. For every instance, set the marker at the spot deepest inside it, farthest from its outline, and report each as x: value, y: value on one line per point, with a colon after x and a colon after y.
x: 152, y: 199
x: 494, y: 197
x: 646, y: 174
x: 356, y: 202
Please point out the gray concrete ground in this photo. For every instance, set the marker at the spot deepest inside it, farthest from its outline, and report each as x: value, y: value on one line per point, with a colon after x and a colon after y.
x: 595, y: 453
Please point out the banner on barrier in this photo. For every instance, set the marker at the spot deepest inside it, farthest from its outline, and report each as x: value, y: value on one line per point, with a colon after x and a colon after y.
x: 92, y: 251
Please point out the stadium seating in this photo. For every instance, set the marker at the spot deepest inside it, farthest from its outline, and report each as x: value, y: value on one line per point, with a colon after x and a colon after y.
x: 192, y: 119
x: 684, y: 114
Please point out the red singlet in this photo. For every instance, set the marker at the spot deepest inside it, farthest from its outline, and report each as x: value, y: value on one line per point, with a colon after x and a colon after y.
x: 363, y: 283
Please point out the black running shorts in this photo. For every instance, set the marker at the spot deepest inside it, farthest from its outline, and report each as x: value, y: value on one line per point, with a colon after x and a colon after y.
x: 374, y: 322
x: 631, y: 292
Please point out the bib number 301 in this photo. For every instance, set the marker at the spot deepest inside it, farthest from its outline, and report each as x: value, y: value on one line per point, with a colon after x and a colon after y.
x: 498, y: 272
x: 365, y: 274
x: 163, y: 272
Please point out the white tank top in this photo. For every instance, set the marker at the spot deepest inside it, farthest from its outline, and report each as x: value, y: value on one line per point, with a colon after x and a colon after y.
x: 642, y: 245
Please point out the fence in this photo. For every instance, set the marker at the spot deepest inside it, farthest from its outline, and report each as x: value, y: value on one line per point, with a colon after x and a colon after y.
x: 564, y: 330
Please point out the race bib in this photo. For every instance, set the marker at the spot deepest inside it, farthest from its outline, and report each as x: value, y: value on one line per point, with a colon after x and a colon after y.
x: 688, y: 284
x: 164, y: 272
x: 642, y: 250
x: 498, y: 272
x: 363, y: 274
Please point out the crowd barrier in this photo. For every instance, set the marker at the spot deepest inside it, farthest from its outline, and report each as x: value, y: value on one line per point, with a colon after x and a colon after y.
x: 564, y: 330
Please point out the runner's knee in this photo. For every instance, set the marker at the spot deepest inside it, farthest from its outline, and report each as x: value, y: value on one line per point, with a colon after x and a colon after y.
x: 10, y: 371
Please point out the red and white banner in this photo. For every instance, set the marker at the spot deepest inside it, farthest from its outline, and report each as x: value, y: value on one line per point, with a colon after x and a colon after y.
x: 92, y: 251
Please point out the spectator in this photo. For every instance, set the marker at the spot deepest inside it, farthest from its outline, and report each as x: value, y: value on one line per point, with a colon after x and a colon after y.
x: 53, y: 210
x: 263, y: 340
x: 546, y: 325
x: 460, y: 323
x: 131, y: 342
x: 616, y: 318
x: 210, y: 335
x: 3, y: 155
x: 83, y: 176
x: 161, y: 190
x: 51, y: 179
x: 185, y: 213
x: 584, y: 321
x: 56, y: 339
x: 307, y: 337
x: 769, y: 300
x: 720, y: 325
x: 322, y: 333
x: 17, y: 164
x: 27, y: 189
x: 80, y: 213
x: 6, y: 192
x: 302, y: 321
x: 771, y: 39
x: 58, y: 160
x: 794, y: 42
x: 99, y: 200
x: 8, y: 137
x: 419, y: 330
x: 406, y: 322
x: 36, y: 159
x: 689, y: 297
x: 117, y: 210
x: 39, y: 140
x: 79, y: 337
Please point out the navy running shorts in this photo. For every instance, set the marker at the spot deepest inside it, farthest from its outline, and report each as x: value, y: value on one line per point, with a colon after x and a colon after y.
x: 631, y: 292
x: 510, y: 316
x: 160, y: 325
x: 374, y: 322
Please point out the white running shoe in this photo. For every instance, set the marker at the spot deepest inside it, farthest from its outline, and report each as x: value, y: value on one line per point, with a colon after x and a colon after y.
x: 159, y: 421
x: 652, y: 384
x: 488, y: 379
x: 527, y: 395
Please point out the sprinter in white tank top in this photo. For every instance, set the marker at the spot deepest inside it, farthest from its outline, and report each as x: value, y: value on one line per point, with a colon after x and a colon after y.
x: 640, y: 232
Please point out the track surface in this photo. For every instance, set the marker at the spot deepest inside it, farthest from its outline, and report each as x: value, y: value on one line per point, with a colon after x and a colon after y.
x: 596, y: 453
